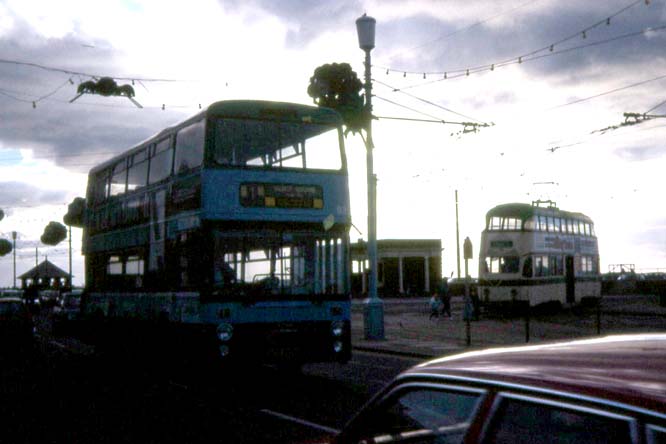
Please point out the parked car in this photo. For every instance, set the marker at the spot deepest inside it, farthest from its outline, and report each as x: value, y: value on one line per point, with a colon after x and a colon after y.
x: 602, y: 390
x: 17, y: 329
x: 66, y: 310
x: 11, y: 293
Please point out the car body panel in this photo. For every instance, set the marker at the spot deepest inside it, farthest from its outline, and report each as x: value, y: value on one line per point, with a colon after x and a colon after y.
x: 629, y: 369
x: 616, y: 381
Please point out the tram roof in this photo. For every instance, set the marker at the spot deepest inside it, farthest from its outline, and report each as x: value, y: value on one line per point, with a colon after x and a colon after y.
x: 285, y: 112
x: 524, y: 211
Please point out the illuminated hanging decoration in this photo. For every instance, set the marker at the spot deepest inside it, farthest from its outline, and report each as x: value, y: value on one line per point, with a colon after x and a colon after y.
x: 106, y: 87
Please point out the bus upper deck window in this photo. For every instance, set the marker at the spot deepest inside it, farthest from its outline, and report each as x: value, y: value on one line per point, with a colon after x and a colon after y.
x: 118, y: 178
x: 189, y: 147
x: 160, y: 162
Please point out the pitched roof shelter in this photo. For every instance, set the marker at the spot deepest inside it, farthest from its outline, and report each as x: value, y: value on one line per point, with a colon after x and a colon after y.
x: 45, y: 275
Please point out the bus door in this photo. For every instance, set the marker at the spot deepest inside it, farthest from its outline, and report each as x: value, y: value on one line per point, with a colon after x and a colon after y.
x: 570, y: 280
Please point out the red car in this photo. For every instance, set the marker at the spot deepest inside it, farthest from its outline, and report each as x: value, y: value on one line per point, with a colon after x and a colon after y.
x: 602, y: 390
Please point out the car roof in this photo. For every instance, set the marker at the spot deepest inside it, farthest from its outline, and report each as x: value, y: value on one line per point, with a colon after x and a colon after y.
x: 629, y: 369
x: 11, y: 299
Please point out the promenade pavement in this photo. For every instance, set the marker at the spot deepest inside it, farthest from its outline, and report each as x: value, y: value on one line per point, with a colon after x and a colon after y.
x: 408, y: 330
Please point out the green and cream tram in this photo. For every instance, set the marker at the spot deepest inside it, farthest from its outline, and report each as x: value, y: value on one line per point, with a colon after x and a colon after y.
x: 538, y: 253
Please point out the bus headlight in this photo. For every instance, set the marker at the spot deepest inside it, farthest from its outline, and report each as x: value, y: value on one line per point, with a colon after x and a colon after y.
x: 224, y: 350
x: 225, y: 332
x: 337, y: 328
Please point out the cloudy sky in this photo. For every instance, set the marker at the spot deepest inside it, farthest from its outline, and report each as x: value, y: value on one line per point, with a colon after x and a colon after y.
x: 549, y: 75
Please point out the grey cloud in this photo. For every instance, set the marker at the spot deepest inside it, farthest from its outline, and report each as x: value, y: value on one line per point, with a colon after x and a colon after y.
x: 76, y: 135
x: 306, y: 19
x: 641, y: 153
x: 654, y: 235
x: 484, y: 44
x: 19, y: 194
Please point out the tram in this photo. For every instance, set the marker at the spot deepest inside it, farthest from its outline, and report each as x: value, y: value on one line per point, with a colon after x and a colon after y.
x: 537, y: 253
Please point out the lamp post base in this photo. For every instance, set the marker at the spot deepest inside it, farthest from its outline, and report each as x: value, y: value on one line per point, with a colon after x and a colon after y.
x: 373, y: 318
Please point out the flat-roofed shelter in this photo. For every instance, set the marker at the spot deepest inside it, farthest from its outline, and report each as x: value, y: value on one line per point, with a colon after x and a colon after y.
x: 404, y: 266
x: 46, y: 276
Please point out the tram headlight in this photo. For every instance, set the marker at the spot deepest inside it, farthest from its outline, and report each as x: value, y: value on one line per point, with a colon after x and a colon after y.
x: 337, y: 328
x: 225, y: 332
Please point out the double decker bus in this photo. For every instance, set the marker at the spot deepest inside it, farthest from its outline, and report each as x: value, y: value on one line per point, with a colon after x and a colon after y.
x: 537, y: 254
x: 225, y: 234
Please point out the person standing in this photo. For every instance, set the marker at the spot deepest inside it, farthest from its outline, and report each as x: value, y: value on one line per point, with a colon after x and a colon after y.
x: 435, y: 306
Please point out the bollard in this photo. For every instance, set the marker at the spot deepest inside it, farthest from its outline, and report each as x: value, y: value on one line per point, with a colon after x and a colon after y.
x: 467, y: 317
x: 527, y: 322
x: 468, y: 332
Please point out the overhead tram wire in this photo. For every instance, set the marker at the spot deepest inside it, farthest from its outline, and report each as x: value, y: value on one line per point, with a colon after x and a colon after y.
x: 84, y: 74
x: 433, y: 119
x: 633, y: 85
x: 654, y: 107
x: 522, y: 59
x: 529, y: 56
x: 437, y: 105
x: 550, y: 46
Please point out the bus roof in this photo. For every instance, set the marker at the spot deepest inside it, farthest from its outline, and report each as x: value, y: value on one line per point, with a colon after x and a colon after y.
x: 524, y: 211
x: 245, y: 109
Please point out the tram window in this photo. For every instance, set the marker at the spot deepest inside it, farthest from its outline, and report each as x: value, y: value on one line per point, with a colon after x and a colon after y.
x: 556, y: 265
x: 492, y: 264
x: 495, y: 223
x: 504, y: 264
x: 586, y: 264
x: 509, y: 264
x: 551, y: 224
x: 543, y: 223
x: 530, y: 224
x: 541, y: 267
x: 511, y: 223
x: 569, y: 226
x: 591, y: 230
x: 557, y: 223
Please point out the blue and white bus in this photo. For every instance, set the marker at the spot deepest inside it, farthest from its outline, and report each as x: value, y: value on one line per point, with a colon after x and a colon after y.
x: 227, y: 233
x: 539, y: 254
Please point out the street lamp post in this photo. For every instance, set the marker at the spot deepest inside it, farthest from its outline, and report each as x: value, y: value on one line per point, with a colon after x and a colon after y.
x: 14, y: 254
x: 373, y: 313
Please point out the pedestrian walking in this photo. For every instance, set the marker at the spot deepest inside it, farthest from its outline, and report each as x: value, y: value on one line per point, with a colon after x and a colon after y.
x: 445, y: 297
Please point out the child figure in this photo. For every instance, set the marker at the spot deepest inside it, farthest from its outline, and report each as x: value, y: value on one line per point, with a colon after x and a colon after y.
x: 435, y: 306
